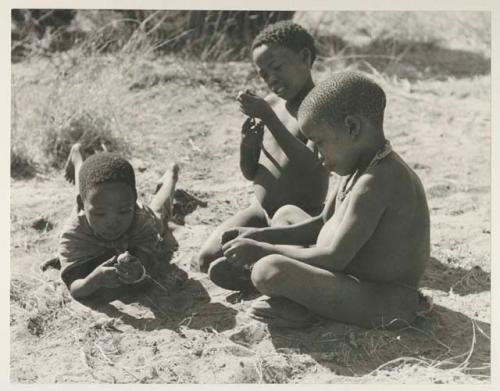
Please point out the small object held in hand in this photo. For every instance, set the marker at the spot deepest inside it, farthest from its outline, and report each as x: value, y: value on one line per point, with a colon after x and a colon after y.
x: 240, y: 94
x: 251, y: 126
x: 129, y: 269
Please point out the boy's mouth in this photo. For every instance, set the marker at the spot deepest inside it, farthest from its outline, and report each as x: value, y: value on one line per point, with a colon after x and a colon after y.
x: 111, y: 235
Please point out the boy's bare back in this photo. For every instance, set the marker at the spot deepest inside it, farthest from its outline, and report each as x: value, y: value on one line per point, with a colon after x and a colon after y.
x: 398, y: 247
x: 288, y: 179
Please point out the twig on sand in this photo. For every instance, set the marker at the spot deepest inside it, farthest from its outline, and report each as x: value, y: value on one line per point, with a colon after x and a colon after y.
x: 189, y: 319
x: 85, y: 359
x: 482, y: 331
x: 258, y: 369
x: 429, y: 334
x: 210, y: 329
x: 448, y: 364
x: 157, y: 283
x: 111, y: 363
x: 108, y: 360
x: 194, y: 146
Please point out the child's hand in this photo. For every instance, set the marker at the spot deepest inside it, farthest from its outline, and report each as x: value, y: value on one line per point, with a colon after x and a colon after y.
x: 252, y: 127
x: 106, y: 275
x: 129, y: 268
x: 253, y: 105
x: 238, y: 232
x: 244, y: 251
x: 252, y: 134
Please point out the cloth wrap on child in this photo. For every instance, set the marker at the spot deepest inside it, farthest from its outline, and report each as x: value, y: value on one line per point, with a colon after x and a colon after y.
x: 81, y: 251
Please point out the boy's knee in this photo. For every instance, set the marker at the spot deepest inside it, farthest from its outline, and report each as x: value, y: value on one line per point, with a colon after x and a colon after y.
x: 268, y: 275
x: 283, y: 216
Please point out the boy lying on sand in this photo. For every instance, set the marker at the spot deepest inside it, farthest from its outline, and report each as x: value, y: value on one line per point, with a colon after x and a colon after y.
x: 111, y: 239
x: 284, y: 170
x: 361, y: 260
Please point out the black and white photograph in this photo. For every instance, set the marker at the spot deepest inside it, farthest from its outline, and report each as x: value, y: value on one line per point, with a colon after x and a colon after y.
x: 235, y: 196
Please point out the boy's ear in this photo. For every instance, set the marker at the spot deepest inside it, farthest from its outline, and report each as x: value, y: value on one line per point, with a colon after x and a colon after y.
x: 305, y: 54
x: 79, y: 202
x: 353, y: 125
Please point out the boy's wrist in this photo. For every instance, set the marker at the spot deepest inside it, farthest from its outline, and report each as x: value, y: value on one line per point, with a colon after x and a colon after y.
x: 257, y: 234
x: 267, y: 249
x: 94, y: 279
x: 249, y: 142
x: 268, y: 117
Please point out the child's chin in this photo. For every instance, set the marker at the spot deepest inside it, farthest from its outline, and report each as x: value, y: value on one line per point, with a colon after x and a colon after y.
x: 111, y: 237
x: 339, y: 170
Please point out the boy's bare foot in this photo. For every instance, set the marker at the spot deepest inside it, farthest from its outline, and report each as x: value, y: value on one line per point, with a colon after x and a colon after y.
x: 230, y: 276
x: 75, y: 158
x: 51, y: 263
x: 171, y: 174
x: 282, y: 312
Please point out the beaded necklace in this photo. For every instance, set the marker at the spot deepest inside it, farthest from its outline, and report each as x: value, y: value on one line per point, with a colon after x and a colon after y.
x: 351, y: 181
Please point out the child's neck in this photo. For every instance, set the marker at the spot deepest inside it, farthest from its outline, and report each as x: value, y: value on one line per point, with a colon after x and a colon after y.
x: 369, y: 153
x: 293, y: 104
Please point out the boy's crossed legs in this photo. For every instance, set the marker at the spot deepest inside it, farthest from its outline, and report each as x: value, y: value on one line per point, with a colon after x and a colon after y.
x: 337, y: 296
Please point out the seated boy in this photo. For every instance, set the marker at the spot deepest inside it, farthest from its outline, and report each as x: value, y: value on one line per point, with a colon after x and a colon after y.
x: 361, y: 260
x: 111, y: 239
x: 284, y: 170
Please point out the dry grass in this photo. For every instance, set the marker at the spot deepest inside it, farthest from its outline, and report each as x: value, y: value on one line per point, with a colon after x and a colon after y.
x: 206, y: 35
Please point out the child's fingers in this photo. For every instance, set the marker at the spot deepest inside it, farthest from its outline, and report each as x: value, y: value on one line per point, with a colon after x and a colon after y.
x: 247, y: 126
x: 129, y: 267
x: 229, y: 252
x: 241, y: 94
x: 229, y: 244
x: 110, y: 261
x: 130, y: 273
x: 109, y: 270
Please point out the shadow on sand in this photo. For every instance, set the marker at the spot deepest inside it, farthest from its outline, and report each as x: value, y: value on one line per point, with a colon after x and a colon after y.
x: 440, y: 276
x: 173, y: 299
x: 443, y: 337
x: 407, y: 58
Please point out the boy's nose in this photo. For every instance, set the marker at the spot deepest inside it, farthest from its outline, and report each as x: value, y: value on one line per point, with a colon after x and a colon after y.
x: 114, y: 224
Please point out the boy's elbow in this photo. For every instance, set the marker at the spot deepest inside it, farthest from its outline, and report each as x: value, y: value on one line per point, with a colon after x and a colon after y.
x: 248, y: 175
x: 248, y: 171
x: 327, y: 256
x: 78, y: 290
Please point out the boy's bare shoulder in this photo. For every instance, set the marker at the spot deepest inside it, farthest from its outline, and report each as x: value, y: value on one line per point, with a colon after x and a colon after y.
x: 386, y: 177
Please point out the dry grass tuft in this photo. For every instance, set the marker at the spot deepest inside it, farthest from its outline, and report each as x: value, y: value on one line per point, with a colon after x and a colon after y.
x: 22, y: 165
x: 93, y: 132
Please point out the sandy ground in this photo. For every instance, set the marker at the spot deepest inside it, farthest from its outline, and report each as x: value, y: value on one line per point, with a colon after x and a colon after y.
x: 189, y: 330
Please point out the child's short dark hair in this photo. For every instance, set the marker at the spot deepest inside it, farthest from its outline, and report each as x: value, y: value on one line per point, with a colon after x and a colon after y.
x: 342, y: 94
x: 287, y: 34
x: 105, y: 167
